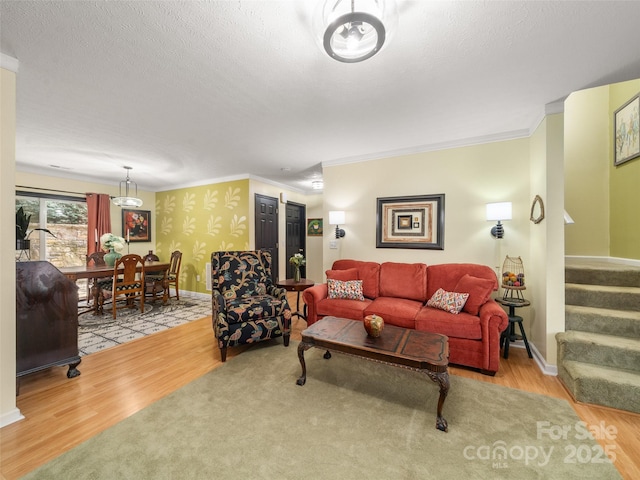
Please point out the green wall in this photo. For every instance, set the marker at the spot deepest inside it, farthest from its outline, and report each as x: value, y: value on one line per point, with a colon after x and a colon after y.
x: 198, y: 221
x: 601, y: 198
x: 624, y: 185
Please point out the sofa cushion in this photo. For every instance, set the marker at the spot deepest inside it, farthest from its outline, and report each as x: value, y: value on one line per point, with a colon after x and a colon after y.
x: 368, y: 272
x: 404, y: 280
x: 479, y: 290
x: 447, y: 275
x: 351, y: 290
x: 344, y: 275
x: 395, y: 311
x: 451, y: 302
x: 342, y: 308
x: 463, y: 325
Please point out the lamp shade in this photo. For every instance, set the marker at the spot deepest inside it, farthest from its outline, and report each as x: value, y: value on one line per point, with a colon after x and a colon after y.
x: 499, y: 211
x: 336, y: 217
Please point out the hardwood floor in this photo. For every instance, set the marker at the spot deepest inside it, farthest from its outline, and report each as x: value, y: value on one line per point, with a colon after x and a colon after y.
x: 61, y: 413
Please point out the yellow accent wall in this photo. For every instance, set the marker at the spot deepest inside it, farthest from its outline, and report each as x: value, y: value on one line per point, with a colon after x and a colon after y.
x: 586, y: 172
x: 601, y: 198
x: 624, y: 185
x: 198, y: 221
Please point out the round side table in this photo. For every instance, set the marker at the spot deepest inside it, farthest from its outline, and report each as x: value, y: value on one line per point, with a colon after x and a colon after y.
x: 292, y: 286
x: 510, y: 331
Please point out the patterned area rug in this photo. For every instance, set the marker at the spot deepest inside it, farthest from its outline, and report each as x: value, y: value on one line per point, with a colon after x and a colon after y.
x: 98, y: 332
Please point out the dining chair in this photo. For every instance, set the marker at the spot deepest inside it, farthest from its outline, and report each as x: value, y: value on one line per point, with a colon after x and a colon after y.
x: 127, y: 282
x: 173, y: 277
x: 93, y: 285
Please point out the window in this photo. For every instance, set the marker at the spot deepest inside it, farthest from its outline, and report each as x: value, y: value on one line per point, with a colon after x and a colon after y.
x: 66, y: 218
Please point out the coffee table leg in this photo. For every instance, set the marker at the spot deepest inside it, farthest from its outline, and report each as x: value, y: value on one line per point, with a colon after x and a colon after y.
x: 441, y: 379
x: 301, y: 349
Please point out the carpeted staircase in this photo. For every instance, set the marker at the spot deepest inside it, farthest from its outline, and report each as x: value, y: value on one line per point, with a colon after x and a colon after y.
x: 599, y: 353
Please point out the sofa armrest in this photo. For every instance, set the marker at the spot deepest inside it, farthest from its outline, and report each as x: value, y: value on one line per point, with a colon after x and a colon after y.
x: 311, y: 297
x: 219, y: 314
x: 281, y: 294
x: 493, y: 321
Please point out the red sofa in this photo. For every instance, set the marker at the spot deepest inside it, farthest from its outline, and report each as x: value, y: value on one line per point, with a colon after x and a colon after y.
x: 398, y: 292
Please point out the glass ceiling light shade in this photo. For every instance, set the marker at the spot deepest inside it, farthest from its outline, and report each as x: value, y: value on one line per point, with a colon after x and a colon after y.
x: 126, y: 200
x: 353, y: 30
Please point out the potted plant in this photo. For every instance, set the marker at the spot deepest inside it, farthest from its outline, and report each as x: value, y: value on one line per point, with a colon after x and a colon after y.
x: 23, y: 232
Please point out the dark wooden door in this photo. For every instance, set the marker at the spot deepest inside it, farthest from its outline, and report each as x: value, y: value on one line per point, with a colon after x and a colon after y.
x: 267, y: 229
x: 296, y: 234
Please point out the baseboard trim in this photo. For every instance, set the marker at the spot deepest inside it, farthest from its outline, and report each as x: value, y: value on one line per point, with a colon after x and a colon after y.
x: 10, y: 417
x: 200, y: 295
x: 545, y: 368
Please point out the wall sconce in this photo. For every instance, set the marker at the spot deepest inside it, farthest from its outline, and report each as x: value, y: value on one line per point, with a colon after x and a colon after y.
x: 336, y: 217
x: 498, y: 211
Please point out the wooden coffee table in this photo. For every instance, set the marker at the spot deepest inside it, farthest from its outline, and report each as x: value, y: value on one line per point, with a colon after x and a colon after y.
x: 402, y: 347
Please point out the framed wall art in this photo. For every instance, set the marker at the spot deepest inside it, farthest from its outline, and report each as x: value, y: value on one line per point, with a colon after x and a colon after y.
x: 626, y: 131
x: 411, y: 222
x: 314, y: 227
x: 136, y: 225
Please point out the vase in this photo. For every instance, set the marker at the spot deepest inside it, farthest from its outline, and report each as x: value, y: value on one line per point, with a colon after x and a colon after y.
x: 373, y: 324
x: 111, y: 256
x: 296, y: 273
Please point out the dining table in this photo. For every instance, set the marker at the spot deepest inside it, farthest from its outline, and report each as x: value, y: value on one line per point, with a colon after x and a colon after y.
x: 89, y: 272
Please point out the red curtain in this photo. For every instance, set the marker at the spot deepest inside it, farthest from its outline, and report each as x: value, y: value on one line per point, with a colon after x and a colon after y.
x: 99, y: 219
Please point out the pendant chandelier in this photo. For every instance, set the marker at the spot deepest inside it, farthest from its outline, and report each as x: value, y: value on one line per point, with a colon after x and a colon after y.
x: 351, y: 31
x: 126, y: 200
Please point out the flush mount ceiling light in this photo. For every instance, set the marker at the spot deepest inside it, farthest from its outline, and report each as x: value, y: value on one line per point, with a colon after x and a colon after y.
x: 125, y: 200
x: 351, y: 31
x: 317, y: 184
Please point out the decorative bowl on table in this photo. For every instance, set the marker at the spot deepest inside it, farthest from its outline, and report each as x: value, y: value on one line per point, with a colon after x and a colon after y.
x: 373, y: 324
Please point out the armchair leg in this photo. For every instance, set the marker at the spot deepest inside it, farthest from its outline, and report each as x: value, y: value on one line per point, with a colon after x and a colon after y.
x: 223, y: 354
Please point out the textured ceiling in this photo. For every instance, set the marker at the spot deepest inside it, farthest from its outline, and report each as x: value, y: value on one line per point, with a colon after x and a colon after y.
x: 188, y: 92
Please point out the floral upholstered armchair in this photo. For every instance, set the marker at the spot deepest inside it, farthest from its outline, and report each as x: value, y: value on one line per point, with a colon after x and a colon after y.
x: 247, y: 307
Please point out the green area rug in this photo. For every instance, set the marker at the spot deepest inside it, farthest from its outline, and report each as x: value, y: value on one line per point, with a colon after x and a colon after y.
x: 99, y: 332
x: 354, y: 419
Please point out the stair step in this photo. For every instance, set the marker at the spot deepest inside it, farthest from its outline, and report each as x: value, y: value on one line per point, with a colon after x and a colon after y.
x: 603, y: 273
x: 600, y: 296
x: 606, y: 350
x: 600, y: 385
x: 603, y: 320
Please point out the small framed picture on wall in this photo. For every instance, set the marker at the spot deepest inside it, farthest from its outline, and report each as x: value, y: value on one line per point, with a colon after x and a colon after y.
x: 627, y: 131
x: 136, y: 225
x: 314, y: 227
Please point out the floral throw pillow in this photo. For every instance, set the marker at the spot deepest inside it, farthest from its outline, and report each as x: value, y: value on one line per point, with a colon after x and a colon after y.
x: 451, y: 302
x: 351, y: 289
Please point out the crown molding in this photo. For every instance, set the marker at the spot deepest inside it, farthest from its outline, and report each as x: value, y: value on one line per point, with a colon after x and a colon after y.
x: 9, y: 63
x: 433, y: 147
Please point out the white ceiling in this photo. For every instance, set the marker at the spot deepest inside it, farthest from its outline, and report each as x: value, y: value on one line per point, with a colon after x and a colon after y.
x: 194, y: 91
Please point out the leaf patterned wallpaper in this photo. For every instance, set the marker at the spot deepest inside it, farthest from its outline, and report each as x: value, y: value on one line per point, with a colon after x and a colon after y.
x: 198, y: 221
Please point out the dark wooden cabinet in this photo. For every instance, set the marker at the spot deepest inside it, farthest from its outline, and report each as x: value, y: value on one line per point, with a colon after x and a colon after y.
x: 46, y: 319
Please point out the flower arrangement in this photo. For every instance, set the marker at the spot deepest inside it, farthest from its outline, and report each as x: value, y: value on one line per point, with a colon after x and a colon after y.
x: 298, y: 260
x: 109, y: 241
